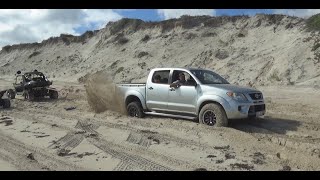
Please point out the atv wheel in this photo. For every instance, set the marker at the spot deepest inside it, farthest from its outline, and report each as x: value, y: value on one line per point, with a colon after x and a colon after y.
x: 134, y: 109
x: 53, y: 95
x: 6, y: 103
x: 213, y: 115
x: 11, y: 94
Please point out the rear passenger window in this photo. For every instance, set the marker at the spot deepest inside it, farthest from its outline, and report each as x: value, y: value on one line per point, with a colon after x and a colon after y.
x: 161, y: 77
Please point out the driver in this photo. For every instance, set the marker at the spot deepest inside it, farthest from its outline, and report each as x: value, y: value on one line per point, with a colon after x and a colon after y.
x: 180, y: 81
x: 28, y: 77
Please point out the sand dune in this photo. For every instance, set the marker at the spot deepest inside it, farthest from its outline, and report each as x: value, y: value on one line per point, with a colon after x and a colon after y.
x: 263, y: 50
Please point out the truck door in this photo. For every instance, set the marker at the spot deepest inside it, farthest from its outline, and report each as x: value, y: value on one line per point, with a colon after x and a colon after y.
x: 183, y: 99
x: 157, y: 90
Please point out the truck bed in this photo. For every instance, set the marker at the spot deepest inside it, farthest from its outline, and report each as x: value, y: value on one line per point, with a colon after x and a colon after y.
x: 126, y: 88
x: 132, y: 84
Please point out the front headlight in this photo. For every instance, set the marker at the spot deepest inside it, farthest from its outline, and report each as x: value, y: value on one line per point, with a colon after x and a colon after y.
x: 237, y: 96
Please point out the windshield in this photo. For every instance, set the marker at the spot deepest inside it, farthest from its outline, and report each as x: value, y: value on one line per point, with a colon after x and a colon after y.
x: 208, y: 77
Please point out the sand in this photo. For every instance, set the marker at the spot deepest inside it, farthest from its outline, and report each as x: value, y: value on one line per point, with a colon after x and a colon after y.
x: 287, y: 138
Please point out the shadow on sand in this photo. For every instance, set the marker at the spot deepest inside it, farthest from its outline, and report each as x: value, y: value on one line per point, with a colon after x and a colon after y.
x: 266, y: 125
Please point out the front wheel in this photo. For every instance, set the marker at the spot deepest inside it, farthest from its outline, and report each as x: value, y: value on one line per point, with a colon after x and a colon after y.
x: 134, y: 109
x: 6, y: 103
x: 53, y: 95
x: 213, y: 115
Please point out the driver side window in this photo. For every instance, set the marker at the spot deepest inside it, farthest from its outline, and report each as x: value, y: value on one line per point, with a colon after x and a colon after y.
x: 188, y: 80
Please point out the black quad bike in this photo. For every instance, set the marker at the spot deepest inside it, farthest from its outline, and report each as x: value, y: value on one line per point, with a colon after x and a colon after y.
x: 32, y: 85
x: 4, y: 103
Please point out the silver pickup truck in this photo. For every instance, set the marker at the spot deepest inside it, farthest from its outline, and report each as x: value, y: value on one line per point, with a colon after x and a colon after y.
x: 205, y: 96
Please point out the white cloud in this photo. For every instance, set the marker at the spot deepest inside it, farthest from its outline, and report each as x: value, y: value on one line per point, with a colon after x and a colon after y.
x: 34, y: 25
x: 100, y: 17
x: 304, y: 13
x: 176, y: 13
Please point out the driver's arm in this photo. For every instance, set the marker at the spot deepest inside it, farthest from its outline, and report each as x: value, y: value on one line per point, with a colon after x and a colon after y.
x: 175, y: 84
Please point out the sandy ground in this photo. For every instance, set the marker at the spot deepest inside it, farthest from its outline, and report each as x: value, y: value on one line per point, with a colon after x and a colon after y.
x: 43, y: 135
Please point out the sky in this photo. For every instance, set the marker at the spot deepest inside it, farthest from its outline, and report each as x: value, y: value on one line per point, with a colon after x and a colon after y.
x: 35, y: 25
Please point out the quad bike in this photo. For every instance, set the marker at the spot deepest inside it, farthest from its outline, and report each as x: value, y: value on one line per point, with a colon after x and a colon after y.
x: 4, y: 103
x: 32, y: 85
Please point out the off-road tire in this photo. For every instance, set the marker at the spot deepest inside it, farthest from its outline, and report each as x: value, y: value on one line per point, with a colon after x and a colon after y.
x: 217, y: 112
x: 6, y: 103
x: 11, y: 94
x: 134, y: 109
x: 54, y: 95
x: 29, y: 96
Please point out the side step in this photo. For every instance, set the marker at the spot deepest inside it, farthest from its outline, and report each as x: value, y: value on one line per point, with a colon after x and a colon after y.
x: 170, y: 115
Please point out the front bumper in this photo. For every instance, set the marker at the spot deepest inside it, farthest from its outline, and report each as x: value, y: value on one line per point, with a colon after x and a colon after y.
x: 245, y: 110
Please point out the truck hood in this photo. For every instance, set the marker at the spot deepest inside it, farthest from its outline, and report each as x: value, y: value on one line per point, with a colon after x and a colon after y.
x: 233, y: 88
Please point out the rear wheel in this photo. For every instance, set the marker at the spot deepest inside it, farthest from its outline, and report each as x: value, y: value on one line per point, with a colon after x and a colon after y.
x: 134, y: 109
x: 11, y: 94
x: 53, y: 95
x: 213, y: 115
x: 6, y: 103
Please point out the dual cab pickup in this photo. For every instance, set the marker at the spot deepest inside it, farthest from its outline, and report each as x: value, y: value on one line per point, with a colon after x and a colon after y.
x: 202, y: 95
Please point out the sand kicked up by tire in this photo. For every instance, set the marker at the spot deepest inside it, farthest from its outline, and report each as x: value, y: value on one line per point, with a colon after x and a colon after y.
x: 103, y: 94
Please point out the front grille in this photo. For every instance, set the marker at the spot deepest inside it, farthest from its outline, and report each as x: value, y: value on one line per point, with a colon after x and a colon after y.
x: 256, y: 96
x: 257, y: 108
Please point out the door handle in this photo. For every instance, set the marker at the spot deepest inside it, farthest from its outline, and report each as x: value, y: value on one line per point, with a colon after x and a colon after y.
x: 150, y: 88
x: 172, y: 89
